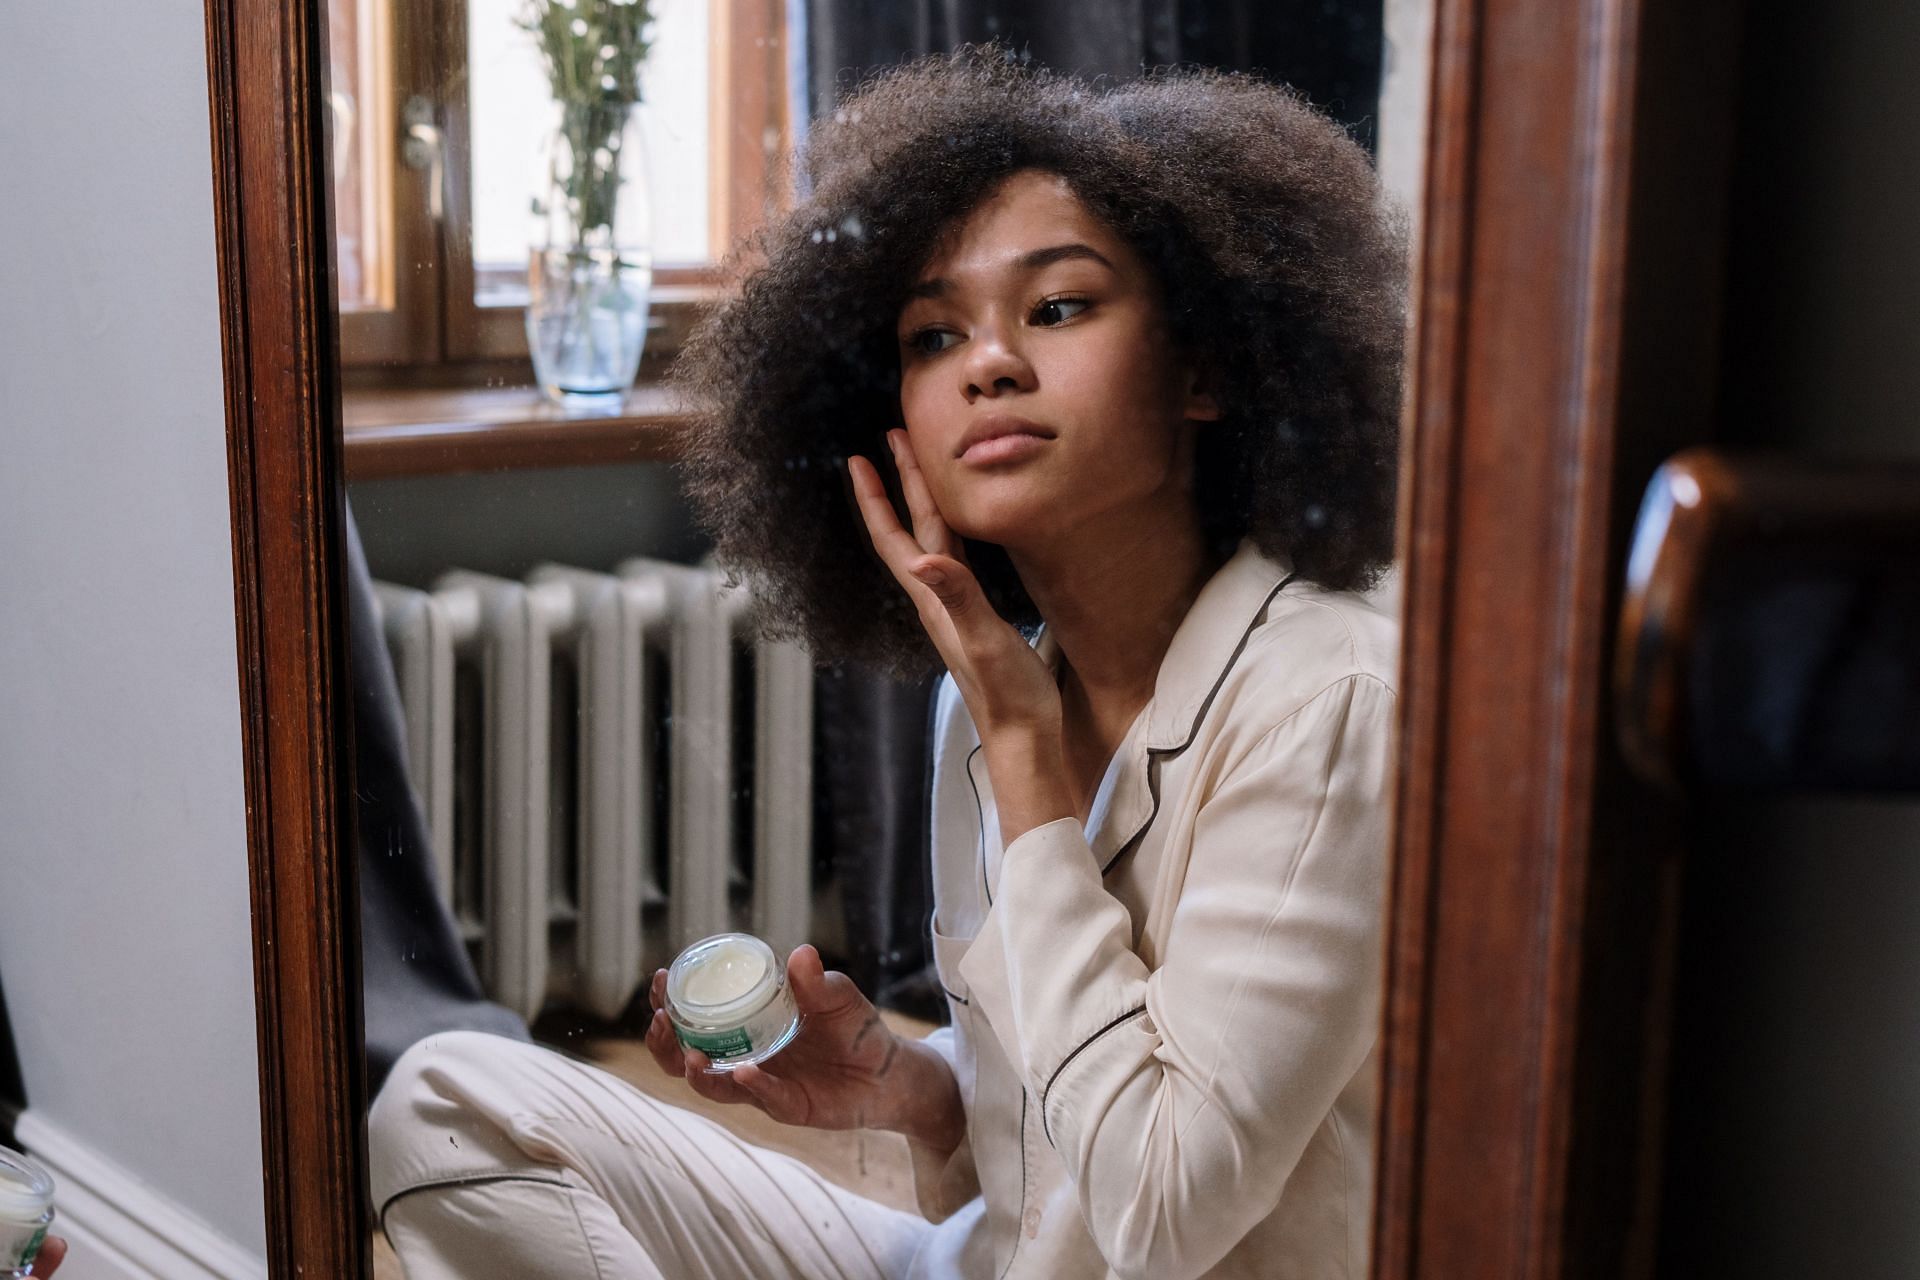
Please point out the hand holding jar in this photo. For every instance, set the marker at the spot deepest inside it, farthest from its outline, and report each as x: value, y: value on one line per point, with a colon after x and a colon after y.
x: 844, y: 1068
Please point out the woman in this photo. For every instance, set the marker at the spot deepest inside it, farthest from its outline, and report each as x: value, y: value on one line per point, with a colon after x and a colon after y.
x: 1134, y: 358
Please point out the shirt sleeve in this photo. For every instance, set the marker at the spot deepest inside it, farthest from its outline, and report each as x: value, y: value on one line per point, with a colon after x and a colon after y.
x: 1181, y: 1098
x: 942, y: 1185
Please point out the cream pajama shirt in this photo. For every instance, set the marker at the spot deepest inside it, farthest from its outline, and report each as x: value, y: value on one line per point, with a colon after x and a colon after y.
x: 1164, y: 1022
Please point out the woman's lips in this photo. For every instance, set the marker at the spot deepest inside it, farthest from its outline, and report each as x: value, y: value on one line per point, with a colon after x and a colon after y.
x: 1011, y: 448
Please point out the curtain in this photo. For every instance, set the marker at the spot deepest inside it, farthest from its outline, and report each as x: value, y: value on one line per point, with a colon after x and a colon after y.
x: 1329, y: 51
x: 417, y: 977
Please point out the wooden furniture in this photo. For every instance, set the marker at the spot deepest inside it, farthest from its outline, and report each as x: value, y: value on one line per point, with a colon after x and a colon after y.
x: 1565, y: 319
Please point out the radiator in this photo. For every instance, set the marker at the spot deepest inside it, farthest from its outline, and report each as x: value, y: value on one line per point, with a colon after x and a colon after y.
x: 608, y: 769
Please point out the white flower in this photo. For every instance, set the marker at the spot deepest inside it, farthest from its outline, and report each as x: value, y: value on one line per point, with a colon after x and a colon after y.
x: 579, y: 26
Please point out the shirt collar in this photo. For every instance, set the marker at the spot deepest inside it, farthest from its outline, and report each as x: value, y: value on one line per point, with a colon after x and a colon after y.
x: 1204, y: 645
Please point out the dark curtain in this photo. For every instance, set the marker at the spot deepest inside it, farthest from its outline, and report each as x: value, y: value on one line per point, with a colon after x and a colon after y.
x: 873, y: 740
x: 417, y: 977
x: 1329, y: 51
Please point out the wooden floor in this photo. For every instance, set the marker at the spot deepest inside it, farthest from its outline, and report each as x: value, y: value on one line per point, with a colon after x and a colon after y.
x: 863, y: 1160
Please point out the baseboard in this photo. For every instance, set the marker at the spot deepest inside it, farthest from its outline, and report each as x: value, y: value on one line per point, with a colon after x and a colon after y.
x: 118, y: 1226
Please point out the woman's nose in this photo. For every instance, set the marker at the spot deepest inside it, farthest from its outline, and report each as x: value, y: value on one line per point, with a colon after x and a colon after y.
x: 994, y: 364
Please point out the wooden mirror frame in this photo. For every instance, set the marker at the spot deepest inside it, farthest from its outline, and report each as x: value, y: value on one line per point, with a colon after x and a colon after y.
x: 1564, y: 341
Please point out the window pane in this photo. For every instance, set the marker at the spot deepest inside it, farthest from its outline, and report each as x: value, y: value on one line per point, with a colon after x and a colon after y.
x: 358, y: 104
x: 509, y: 104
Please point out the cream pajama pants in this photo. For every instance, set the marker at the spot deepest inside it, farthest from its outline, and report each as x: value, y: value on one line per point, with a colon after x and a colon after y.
x: 496, y: 1158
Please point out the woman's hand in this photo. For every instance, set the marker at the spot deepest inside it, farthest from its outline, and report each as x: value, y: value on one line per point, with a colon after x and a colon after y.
x: 1008, y: 689
x: 47, y: 1261
x: 845, y: 1069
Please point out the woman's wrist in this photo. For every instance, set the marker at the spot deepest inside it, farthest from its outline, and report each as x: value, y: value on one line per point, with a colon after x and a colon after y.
x: 1029, y: 776
x: 924, y: 1098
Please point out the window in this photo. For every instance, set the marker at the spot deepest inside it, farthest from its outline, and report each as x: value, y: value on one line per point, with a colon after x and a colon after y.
x: 439, y: 109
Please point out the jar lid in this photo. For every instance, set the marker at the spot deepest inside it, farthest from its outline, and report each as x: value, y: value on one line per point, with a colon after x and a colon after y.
x: 723, y: 979
x: 26, y: 1190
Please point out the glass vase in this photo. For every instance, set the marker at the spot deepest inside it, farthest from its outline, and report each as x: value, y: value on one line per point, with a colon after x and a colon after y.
x: 590, y: 260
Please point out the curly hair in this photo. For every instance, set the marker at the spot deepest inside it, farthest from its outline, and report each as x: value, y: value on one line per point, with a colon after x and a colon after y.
x: 1275, y: 254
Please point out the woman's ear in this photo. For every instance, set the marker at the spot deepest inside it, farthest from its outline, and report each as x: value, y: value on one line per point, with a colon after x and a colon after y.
x: 1200, y: 405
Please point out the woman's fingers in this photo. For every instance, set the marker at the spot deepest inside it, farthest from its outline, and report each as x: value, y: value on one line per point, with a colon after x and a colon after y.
x: 52, y: 1250
x: 929, y: 526
x: 691, y: 1065
x: 896, y: 546
x: 661, y: 1041
x: 714, y: 1086
x: 784, y: 1100
x: 814, y: 989
x: 665, y: 1046
x: 806, y: 977
x: 953, y: 584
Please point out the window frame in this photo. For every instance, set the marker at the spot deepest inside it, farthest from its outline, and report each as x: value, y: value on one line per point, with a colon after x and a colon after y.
x: 434, y: 332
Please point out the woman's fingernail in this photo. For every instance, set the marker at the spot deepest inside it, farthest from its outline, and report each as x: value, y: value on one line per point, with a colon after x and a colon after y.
x: 932, y: 577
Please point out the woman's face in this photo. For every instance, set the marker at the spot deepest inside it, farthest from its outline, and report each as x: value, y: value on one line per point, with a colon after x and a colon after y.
x: 1033, y: 310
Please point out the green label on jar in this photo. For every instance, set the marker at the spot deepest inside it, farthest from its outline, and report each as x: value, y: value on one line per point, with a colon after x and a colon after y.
x: 717, y: 1044
x: 28, y: 1254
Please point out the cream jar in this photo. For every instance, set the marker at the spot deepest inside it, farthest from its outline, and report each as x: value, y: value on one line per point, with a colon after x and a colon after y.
x: 26, y: 1211
x: 727, y: 996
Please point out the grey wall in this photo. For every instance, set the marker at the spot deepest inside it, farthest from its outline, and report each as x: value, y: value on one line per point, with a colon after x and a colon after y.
x: 124, y: 933
x: 417, y: 527
x: 1796, y: 1105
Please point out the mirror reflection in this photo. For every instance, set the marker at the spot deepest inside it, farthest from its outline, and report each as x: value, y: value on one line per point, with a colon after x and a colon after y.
x: 874, y: 633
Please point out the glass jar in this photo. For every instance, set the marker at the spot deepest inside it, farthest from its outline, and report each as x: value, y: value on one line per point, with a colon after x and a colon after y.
x: 590, y: 256
x: 727, y: 996
x: 26, y: 1211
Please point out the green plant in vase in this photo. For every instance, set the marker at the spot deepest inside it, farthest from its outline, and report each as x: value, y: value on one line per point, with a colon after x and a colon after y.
x: 591, y: 263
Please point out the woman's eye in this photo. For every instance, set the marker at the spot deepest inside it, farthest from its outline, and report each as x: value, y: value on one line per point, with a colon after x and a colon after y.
x: 1051, y: 307
x: 919, y: 341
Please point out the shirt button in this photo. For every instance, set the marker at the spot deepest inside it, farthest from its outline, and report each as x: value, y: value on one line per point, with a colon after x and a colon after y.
x: 1033, y: 1222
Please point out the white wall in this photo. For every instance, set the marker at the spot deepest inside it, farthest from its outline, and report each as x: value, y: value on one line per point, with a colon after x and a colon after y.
x: 124, y: 930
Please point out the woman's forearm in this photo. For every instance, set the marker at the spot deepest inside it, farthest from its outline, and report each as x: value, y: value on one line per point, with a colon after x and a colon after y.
x: 925, y: 1098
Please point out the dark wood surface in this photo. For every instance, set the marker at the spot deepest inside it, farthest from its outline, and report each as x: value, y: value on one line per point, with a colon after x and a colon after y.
x: 281, y: 353
x: 1565, y: 311
x: 445, y: 432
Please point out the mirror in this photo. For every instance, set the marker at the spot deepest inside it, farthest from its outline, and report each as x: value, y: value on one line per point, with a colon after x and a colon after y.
x: 1110, y: 897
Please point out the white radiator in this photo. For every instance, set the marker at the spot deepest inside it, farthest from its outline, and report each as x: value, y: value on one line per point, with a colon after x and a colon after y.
x: 534, y: 712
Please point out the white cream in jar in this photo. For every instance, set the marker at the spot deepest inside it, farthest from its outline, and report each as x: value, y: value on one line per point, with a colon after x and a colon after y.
x: 26, y: 1211
x: 728, y: 997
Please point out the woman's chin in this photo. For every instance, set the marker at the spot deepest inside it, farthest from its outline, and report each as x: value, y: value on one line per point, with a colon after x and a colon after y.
x: 1006, y: 498
x: 1004, y: 524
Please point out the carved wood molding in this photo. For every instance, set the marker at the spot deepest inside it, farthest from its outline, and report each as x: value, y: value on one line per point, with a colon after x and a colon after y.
x: 281, y: 354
